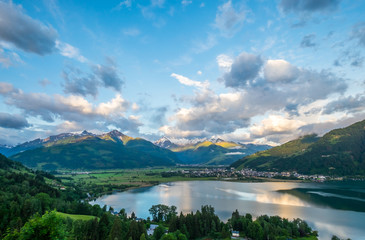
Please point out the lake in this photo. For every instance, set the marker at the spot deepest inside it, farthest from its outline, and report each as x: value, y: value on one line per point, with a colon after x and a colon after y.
x: 330, y: 208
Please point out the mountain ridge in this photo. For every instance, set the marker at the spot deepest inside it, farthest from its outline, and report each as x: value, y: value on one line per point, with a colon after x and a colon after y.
x: 338, y: 152
x: 90, y: 151
x: 213, y: 151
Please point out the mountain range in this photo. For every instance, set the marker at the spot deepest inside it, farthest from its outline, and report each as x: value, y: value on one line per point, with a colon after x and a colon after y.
x: 214, y: 151
x: 339, y: 152
x: 90, y: 151
x: 86, y: 150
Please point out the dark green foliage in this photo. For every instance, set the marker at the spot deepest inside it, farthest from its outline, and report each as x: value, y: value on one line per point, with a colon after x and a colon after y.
x: 162, y: 212
x: 202, y: 223
x: 265, y: 227
x: 26, y: 199
x: 159, y: 231
x: 24, y: 193
x: 49, y: 226
x: 339, y: 152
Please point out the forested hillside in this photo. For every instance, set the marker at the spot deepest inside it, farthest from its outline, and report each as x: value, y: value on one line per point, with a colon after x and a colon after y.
x: 339, y: 152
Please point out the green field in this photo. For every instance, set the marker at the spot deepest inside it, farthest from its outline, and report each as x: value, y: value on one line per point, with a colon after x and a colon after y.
x: 106, y: 181
x: 75, y: 216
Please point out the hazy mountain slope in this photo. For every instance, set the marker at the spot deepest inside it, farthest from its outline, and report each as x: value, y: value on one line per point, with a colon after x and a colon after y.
x: 62, y: 138
x: 212, y: 152
x: 112, y: 150
x: 340, y: 152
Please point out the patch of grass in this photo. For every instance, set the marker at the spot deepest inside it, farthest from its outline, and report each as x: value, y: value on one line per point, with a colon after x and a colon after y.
x: 76, y: 216
x: 307, y: 238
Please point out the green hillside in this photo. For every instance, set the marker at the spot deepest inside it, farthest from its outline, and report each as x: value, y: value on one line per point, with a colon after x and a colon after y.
x: 339, y: 152
x: 112, y: 150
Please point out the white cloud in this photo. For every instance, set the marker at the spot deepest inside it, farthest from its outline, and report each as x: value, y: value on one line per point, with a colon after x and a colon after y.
x: 280, y: 71
x: 275, y: 124
x: 116, y: 106
x: 224, y: 62
x: 177, y: 133
x: 228, y: 20
x: 56, y: 108
x: 70, y: 51
x: 188, y: 82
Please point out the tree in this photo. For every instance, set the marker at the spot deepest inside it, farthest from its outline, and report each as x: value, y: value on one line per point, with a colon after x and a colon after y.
x: 143, y: 237
x: 49, y: 226
x: 159, y: 231
x: 134, y: 231
x: 255, y: 231
x: 104, y: 226
x: 169, y: 236
x: 225, y: 232
x: 116, y: 231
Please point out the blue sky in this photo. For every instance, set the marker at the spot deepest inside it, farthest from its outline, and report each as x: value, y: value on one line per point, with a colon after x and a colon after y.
x: 249, y: 71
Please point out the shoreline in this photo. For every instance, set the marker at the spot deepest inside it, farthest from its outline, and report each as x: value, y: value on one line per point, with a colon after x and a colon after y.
x: 253, y: 180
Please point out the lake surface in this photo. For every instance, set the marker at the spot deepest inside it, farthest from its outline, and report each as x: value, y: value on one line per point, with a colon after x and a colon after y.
x: 335, y: 208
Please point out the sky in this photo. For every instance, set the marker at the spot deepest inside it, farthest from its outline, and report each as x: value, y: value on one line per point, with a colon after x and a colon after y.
x: 245, y: 71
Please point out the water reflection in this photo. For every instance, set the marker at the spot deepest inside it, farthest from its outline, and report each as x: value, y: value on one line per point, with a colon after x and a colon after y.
x: 289, y: 200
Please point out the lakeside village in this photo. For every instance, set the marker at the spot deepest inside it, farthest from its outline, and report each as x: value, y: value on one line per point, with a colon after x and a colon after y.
x: 244, y: 174
x: 228, y: 174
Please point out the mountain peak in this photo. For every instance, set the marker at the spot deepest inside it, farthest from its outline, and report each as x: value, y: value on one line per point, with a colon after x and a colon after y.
x: 86, y: 133
x: 164, y: 142
x: 216, y: 140
x: 116, y: 133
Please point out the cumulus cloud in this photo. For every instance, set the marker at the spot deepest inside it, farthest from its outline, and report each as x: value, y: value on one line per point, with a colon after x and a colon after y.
x: 74, y: 83
x: 280, y: 71
x: 70, y: 108
x: 79, y: 83
x: 309, y: 5
x: 346, y: 104
x: 188, y: 82
x: 228, y: 19
x: 275, y: 124
x: 257, y: 88
x: 244, y: 69
x: 13, y: 121
x: 210, y: 114
x: 108, y: 74
x: 224, y: 62
x: 117, y: 105
x: 308, y: 41
x: 24, y: 32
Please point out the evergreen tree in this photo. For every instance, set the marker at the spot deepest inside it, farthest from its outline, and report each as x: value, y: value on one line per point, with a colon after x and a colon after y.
x: 116, y: 231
